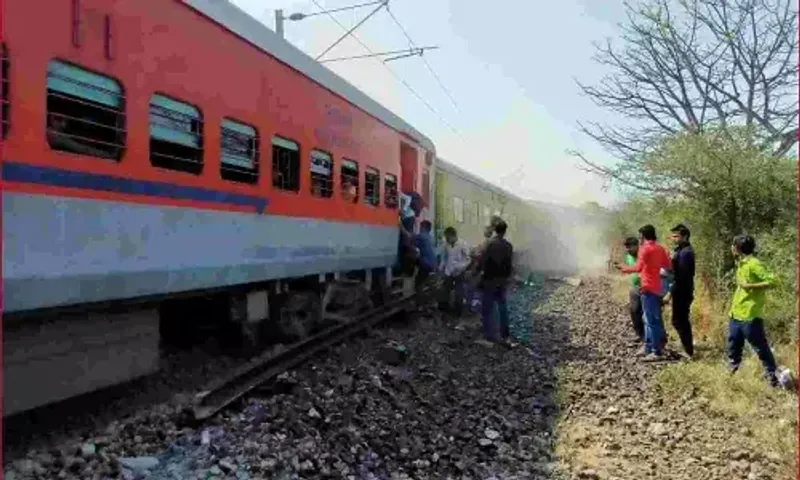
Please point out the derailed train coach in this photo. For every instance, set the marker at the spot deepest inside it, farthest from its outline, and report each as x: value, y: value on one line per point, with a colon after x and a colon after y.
x: 168, y: 163
x: 547, y: 237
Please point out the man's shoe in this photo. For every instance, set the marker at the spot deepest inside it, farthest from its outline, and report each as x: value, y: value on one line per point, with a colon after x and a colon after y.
x: 654, y: 357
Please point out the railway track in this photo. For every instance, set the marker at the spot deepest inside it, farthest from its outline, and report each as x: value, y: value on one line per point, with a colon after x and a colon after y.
x: 226, y: 390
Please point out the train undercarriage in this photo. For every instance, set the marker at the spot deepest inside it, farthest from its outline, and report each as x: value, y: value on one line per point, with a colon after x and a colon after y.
x: 59, y: 354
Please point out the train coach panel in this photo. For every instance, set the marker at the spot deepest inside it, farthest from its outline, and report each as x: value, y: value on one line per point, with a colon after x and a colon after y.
x: 467, y: 204
x: 219, y: 162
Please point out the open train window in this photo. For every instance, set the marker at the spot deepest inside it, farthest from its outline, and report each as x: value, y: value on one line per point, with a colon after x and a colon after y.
x: 321, y: 174
x: 390, y: 190
x: 5, y: 91
x: 372, y: 186
x: 176, y: 135
x: 85, y: 112
x: 285, y: 164
x: 349, y: 180
x: 239, y: 145
x: 458, y: 209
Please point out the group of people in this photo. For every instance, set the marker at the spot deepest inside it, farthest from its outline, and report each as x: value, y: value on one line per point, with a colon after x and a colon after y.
x: 466, y: 273
x: 658, y: 278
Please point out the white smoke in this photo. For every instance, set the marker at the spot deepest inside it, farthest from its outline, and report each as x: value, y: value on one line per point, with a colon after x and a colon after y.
x: 564, y: 240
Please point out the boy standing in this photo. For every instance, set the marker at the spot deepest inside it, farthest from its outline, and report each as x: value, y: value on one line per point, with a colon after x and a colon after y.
x: 682, y: 290
x: 651, y: 259
x: 747, y: 308
x: 635, y: 299
x: 496, y: 266
x: 455, y: 260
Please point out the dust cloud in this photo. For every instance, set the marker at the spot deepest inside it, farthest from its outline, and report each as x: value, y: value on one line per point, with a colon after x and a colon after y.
x: 563, y: 240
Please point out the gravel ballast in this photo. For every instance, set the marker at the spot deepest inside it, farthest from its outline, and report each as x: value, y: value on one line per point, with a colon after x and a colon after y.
x: 420, y: 398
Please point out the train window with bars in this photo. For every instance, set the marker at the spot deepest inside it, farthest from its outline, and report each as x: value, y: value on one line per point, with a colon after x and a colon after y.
x: 239, y: 147
x: 372, y: 186
x: 285, y: 164
x: 349, y: 180
x: 5, y: 91
x: 321, y: 174
x: 390, y: 190
x: 458, y: 210
x: 85, y: 112
x: 176, y: 135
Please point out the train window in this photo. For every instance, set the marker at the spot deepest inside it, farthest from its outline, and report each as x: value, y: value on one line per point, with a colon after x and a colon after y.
x: 372, y: 186
x: 390, y: 190
x: 487, y: 214
x: 285, y: 164
x: 239, y: 145
x: 321, y: 174
x: 176, y: 135
x: 85, y: 112
x: 5, y: 106
x: 476, y: 213
x: 349, y: 180
x: 458, y: 210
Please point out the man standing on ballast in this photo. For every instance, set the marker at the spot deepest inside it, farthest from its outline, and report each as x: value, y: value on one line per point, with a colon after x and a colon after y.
x: 682, y: 291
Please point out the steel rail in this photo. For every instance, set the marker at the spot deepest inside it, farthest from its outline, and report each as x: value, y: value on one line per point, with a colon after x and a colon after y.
x: 227, y: 390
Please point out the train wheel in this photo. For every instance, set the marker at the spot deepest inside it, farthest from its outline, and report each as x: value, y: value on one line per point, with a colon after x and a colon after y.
x: 299, y: 315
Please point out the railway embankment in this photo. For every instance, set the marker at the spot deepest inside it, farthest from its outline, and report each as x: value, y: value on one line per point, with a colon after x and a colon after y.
x: 420, y: 399
x: 625, y: 419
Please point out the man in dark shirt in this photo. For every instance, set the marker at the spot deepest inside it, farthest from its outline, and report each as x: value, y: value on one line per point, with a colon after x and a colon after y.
x: 427, y: 251
x: 496, y: 268
x: 682, y: 291
x: 426, y: 262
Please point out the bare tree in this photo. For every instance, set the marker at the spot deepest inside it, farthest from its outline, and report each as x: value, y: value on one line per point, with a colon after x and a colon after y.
x: 688, y: 65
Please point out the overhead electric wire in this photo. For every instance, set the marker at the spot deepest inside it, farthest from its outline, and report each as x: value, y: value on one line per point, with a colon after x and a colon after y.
x: 408, y: 52
x: 396, y: 76
x: 427, y: 64
x: 352, y: 29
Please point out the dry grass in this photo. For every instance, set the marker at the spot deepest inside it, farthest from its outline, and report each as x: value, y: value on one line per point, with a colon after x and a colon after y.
x: 769, y: 415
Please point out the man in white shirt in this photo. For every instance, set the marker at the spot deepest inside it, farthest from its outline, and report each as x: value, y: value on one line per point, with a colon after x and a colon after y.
x: 455, y: 257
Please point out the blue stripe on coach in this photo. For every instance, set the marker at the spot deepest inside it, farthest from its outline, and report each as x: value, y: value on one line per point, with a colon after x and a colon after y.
x: 57, y: 177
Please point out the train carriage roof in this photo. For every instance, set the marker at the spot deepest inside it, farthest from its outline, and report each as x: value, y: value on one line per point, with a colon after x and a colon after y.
x: 248, y: 28
x: 456, y: 170
x: 551, y: 208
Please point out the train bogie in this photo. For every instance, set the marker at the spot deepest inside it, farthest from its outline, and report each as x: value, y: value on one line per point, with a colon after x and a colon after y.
x: 180, y: 157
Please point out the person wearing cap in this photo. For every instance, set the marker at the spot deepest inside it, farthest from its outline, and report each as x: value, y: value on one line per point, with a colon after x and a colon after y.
x: 634, y: 297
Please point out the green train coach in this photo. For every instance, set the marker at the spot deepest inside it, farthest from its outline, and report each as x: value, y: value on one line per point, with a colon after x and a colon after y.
x: 546, y: 237
x: 467, y: 202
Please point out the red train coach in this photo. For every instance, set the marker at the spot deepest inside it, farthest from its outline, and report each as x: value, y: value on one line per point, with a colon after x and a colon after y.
x: 161, y: 147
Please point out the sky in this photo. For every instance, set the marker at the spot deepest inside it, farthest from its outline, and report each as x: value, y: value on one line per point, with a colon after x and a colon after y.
x: 510, y: 67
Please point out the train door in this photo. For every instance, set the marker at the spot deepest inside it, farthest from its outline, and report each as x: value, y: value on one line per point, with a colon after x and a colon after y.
x: 409, y: 168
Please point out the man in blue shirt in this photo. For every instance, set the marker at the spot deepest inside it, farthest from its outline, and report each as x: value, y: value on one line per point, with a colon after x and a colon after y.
x: 411, y: 206
x: 427, y: 250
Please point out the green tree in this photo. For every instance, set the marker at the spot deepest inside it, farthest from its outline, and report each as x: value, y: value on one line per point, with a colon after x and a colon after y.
x: 691, y: 66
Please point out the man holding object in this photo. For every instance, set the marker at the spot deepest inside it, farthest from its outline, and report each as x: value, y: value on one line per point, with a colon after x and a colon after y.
x: 651, y: 259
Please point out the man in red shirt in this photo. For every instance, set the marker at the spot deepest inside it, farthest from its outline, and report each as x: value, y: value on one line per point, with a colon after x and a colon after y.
x: 651, y: 259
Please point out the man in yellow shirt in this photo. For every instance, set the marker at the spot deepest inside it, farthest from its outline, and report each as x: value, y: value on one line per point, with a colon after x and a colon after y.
x: 747, y: 307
